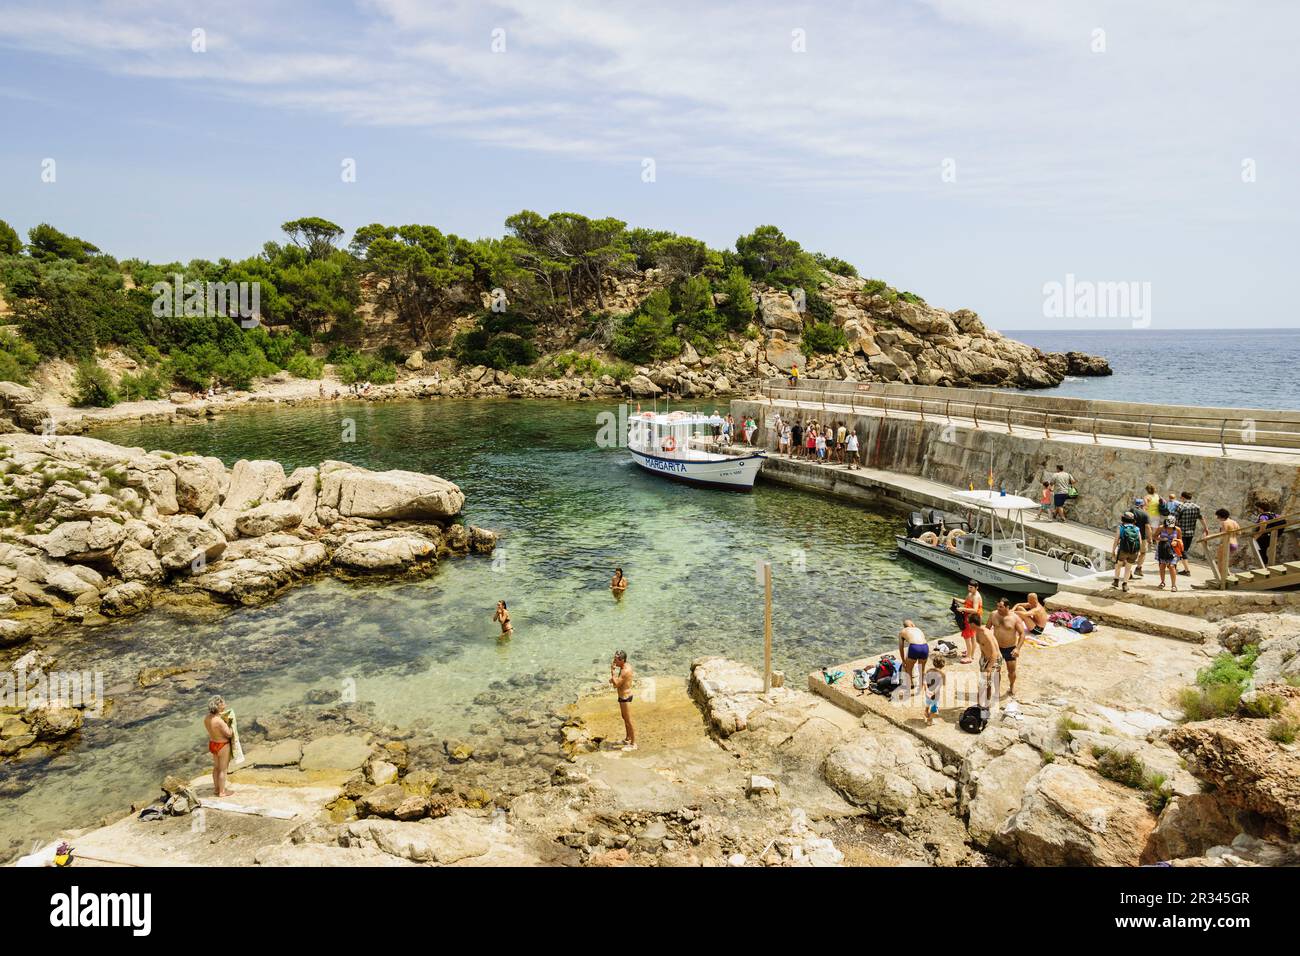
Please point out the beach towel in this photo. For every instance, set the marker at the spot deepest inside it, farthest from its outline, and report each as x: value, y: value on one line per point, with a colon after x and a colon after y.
x: 236, y: 748
x: 1054, y: 635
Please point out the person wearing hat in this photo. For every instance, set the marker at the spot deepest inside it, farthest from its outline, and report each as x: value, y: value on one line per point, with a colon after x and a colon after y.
x: 1126, y: 550
x: 1169, y: 546
x: 1143, y: 521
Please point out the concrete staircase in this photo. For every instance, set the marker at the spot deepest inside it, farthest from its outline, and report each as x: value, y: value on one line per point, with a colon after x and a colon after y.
x: 1118, y: 612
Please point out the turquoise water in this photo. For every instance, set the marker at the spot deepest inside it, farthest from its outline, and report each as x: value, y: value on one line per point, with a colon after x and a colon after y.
x: 427, y: 651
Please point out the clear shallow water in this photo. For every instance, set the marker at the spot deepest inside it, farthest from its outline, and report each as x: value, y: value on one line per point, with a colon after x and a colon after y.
x: 427, y: 650
x: 1241, y: 368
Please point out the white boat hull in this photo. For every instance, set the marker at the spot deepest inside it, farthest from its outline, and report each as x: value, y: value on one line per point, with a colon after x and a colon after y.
x: 732, y: 473
x: 1002, y: 577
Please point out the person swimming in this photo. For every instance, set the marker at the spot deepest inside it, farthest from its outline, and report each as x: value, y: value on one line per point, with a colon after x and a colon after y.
x: 503, y: 615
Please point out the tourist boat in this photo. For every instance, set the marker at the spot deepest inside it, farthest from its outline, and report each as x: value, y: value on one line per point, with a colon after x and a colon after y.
x: 676, y: 445
x: 988, y: 545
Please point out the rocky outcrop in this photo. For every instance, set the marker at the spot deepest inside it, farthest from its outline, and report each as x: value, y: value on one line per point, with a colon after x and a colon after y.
x: 1250, y: 771
x: 1069, y: 817
x: 97, y: 531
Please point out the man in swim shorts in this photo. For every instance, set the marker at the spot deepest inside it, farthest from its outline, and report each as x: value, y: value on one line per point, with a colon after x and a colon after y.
x: 219, y: 737
x: 913, y: 647
x: 990, y: 679
x: 1009, y: 630
x: 620, y: 678
x: 1032, y: 613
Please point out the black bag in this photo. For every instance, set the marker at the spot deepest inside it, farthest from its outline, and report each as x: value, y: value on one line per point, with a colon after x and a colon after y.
x: 972, y: 720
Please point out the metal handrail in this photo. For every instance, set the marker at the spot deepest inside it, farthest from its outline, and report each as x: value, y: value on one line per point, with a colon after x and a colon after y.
x: 1157, y: 426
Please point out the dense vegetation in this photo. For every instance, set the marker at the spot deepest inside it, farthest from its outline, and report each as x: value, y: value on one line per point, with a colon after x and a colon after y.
x: 70, y: 299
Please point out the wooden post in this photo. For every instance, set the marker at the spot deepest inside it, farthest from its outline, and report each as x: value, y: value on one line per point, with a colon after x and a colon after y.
x: 767, y: 626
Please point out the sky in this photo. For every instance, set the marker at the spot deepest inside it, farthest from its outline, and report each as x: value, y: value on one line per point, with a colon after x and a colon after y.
x: 985, y: 154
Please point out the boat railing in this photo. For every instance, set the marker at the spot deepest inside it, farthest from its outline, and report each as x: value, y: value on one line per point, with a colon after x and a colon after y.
x: 984, y: 409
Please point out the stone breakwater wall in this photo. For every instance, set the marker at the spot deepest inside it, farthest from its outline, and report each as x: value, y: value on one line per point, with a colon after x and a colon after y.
x: 1109, y: 476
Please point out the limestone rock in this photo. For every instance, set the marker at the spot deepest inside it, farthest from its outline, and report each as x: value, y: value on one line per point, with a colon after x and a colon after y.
x: 268, y: 518
x: 88, y: 541
x: 185, y: 539
x: 884, y: 772
x: 335, y: 752
x: 373, y: 551
x: 130, y: 597
x: 388, y: 495
x: 1070, y: 817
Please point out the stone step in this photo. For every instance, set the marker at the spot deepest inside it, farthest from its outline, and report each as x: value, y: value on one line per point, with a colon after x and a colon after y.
x: 1117, y: 611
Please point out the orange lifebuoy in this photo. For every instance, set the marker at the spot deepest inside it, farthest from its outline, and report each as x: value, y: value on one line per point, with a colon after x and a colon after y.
x: 669, y: 443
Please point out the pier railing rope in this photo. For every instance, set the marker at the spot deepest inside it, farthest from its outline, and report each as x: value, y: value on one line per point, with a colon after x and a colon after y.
x: 1152, y: 427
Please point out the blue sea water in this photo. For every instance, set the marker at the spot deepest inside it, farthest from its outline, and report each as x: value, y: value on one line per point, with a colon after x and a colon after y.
x: 1240, y: 368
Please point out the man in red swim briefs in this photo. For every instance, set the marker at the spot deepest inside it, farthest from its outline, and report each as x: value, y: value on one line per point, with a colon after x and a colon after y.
x: 219, y: 737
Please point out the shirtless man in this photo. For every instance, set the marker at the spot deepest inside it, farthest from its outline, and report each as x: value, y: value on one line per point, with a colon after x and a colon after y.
x: 503, y: 615
x: 990, y: 667
x: 1009, y: 630
x: 219, y: 737
x: 1033, y: 614
x: 619, y: 584
x: 620, y: 678
x: 913, y: 647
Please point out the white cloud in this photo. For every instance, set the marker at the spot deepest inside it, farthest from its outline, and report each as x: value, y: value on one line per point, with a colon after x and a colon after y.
x: 885, y: 92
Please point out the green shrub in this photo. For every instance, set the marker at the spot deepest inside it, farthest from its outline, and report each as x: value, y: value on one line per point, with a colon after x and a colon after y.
x: 93, y: 387
x: 1066, y: 726
x: 1227, y: 669
x: 148, y: 384
x: 17, y: 358
x: 1263, y: 705
x: 1206, y: 703
x: 911, y: 297
x: 824, y: 338
x: 302, y: 365
x: 1122, y: 767
x: 365, y: 368
x: 819, y: 308
x: 875, y: 287
x: 1283, y: 730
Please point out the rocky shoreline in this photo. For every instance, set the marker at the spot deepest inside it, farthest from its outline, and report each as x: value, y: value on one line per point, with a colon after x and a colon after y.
x: 777, y: 779
x: 94, y: 532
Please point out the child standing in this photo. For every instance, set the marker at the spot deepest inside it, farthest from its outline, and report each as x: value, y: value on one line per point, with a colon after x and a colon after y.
x: 933, y: 688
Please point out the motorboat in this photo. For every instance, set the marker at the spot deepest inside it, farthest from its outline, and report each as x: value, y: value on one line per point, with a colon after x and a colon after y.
x: 989, y: 546
x: 680, y: 445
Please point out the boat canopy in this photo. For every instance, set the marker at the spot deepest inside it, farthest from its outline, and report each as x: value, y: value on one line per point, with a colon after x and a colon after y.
x: 675, y: 419
x: 996, y: 501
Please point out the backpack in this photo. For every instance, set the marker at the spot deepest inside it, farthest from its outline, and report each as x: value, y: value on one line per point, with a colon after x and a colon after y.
x: 973, y: 720
x: 1081, y: 624
x: 1130, y: 539
x: 1165, y: 549
x: 884, y: 676
x: 861, y: 679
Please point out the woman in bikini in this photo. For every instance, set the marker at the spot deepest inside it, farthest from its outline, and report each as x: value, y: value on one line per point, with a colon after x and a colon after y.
x: 503, y: 615
x: 219, y: 737
x: 619, y: 584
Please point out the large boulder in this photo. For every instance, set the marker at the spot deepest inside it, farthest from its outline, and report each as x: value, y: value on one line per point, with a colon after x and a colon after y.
x: 129, y: 597
x: 253, y: 482
x: 993, y: 785
x: 269, y: 518
x: 1248, y: 769
x: 366, y: 552
x: 389, y: 495
x: 777, y: 311
x: 84, y: 541
x: 185, y: 539
x: 200, y: 482
x: 642, y: 387
x: 1070, y: 817
x: 134, y: 562
x: 888, y: 773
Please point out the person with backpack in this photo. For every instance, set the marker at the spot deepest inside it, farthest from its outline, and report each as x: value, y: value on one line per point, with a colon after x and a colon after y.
x: 1189, y: 519
x: 1143, y: 522
x: 1126, y: 549
x: 1169, y: 548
